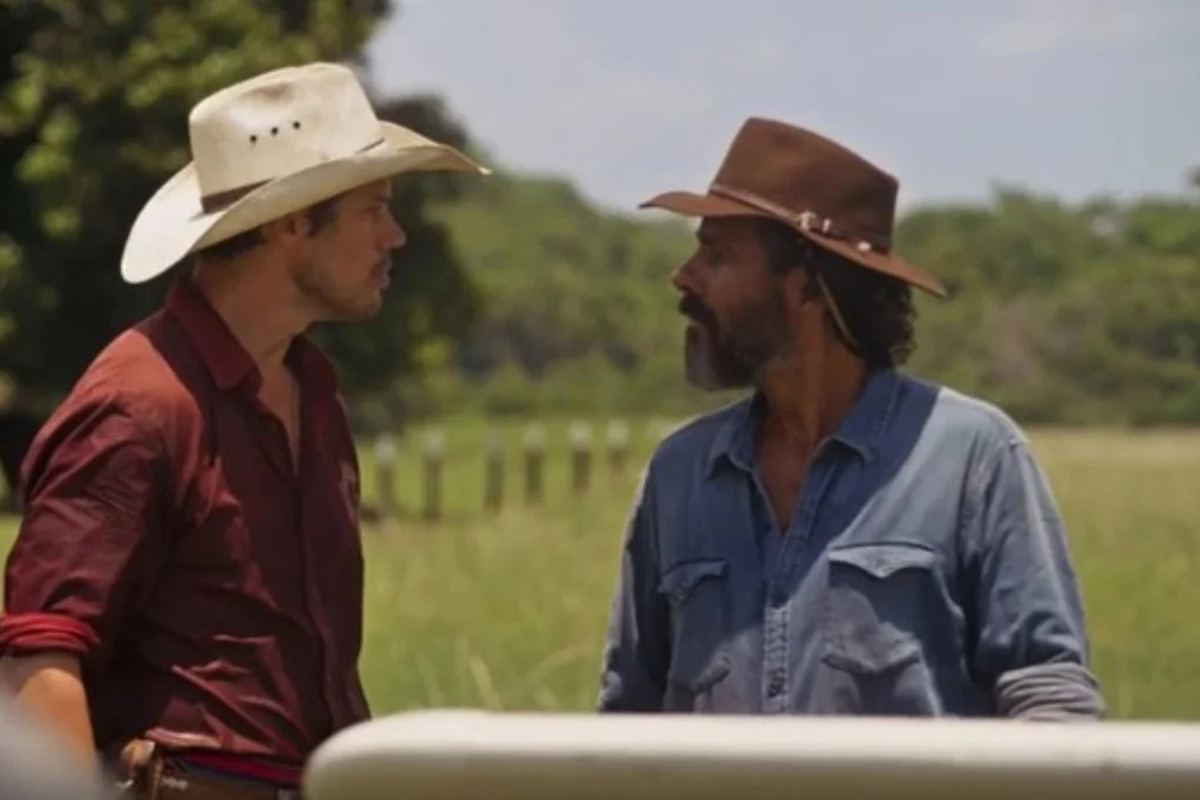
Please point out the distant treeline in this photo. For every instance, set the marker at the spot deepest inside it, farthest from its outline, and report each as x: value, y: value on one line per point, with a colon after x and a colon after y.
x: 1063, y: 313
x: 514, y: 294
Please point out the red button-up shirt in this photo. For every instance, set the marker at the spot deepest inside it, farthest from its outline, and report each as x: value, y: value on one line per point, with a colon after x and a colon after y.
x: 212, y: 591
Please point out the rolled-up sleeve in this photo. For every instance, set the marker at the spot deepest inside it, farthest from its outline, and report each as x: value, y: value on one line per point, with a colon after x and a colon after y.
x: 636, y: 652
x: 91, y: 536
x: 1031, y: 641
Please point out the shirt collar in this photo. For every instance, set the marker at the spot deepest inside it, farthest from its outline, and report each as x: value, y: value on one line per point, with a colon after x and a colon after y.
x: 226, y: 360
x: 861, y: 429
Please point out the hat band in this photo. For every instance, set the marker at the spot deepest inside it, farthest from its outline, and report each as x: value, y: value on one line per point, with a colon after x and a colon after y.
x: 217, y: 201
x: 807, y: 221
x: 804, y: 221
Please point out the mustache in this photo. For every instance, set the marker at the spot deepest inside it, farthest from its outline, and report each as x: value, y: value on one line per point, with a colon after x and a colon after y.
x: 694, y: 308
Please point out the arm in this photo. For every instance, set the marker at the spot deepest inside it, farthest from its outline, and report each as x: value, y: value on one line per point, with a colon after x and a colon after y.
x: 90, y: 541
x: 636, y: 653
x: 32, y: 764
x: 50, y: 688
x: 1031, y: 642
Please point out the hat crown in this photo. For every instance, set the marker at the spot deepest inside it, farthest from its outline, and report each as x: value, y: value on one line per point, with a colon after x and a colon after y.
x: 804, y: 173
x: 278, y: 123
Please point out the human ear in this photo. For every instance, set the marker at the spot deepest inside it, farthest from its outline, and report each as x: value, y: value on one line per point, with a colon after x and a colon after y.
x: 288, y: 228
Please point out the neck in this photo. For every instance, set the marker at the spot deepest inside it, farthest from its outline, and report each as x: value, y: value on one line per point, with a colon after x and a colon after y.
x: 806, y: 398
x: 249, y: 301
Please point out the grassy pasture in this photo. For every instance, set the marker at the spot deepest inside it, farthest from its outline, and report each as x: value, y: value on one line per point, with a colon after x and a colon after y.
x: 507, y: 610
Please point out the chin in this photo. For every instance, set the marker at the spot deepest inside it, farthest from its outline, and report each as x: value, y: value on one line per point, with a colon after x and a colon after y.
x: 698, y: 361
x: 706, y: 368
x: 371, y: 307
x: 354, y: 312
x: 365, y: 313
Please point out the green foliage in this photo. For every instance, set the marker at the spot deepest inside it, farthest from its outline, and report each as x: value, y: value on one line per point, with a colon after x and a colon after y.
x: 577, y: 309
x: 1086, y: 313
x: 94, y: 99
x: 563, y: 281
x: 514, y: 294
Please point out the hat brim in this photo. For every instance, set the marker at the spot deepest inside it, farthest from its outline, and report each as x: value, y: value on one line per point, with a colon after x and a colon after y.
x: 173, y: 224
x: 689, y: 204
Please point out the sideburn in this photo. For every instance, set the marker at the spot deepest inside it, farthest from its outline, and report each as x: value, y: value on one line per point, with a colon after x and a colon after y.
x: 733, y: 356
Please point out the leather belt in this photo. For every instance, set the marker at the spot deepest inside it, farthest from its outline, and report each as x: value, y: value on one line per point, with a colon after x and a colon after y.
x: 145, y: 773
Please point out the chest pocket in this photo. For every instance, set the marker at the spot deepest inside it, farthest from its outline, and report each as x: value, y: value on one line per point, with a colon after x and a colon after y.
x: 697, y: 593
x: 873, y: 607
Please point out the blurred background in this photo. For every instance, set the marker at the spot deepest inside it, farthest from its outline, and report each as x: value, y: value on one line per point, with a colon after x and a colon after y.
x: 529, y: 355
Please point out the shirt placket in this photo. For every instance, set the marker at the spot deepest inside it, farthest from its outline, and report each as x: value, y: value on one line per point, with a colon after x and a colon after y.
x: 781, y: 585
x: 279, y: 452
x: 306, y: 514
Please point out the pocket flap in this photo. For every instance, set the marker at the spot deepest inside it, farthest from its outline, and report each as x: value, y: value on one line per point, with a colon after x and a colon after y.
x: 700, y: 675
x: 679, y: 580
x: 884, y: 559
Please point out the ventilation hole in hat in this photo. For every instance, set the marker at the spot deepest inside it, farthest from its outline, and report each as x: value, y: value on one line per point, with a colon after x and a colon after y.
x: 296, y: 125
x: 253, y: 138
x: 274, y: 131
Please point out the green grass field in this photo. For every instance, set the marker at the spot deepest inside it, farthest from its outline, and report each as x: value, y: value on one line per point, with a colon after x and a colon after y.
x: 507, y: 611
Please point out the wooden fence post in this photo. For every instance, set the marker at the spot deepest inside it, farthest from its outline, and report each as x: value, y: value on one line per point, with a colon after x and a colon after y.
x: 493, y: 490
x: 434, y: 462
x: 581, y: 456
x: 618, y: 445
x: 535, y: 459
x: 385, y: 474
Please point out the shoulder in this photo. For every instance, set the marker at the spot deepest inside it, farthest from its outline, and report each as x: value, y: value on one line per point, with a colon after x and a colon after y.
x: 695, y: 438
x: 132, y: 389
x: 963, y: 419
x: 143, y: 372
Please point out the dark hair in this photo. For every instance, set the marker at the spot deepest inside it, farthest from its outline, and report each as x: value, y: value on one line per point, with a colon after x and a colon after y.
x: 877, y: 308
x: 319, y: 214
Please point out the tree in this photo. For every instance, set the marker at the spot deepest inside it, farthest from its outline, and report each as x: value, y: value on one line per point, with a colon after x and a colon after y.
x: 94, y: 100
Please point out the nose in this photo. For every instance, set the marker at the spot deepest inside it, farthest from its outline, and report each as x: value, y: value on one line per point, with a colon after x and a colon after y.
x: 681, y: 278
x: 396, y: 237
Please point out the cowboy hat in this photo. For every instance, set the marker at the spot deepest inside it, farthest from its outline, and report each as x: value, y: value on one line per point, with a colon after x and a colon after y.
x: 269, y: 146
x: 833, y: 197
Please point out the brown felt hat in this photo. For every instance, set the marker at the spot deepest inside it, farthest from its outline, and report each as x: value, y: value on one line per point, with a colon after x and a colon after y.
x: 832, y: 196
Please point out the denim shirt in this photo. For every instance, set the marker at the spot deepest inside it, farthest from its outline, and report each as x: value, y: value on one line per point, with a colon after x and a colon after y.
x: 925, y: 572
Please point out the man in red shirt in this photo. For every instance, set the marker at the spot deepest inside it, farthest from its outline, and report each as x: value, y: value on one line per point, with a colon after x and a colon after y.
x: 183, y: 603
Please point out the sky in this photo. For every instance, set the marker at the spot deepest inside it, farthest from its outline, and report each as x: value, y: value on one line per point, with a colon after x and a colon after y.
x: 628, y: 98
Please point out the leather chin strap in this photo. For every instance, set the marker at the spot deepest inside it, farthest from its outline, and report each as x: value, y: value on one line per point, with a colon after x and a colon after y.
x: 838, y: 320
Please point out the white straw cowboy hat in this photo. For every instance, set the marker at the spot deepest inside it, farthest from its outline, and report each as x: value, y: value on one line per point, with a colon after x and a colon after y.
x: 266, y: 147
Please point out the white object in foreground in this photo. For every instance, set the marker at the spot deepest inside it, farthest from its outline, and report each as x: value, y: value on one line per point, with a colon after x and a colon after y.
x: 469, y: 754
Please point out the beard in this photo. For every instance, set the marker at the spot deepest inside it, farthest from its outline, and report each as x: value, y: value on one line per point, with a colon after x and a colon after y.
x: 732, y: 355
x: 333, y: 303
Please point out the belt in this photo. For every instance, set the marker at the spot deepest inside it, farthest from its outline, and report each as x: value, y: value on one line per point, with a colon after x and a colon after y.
x: 145, y: 773
x: 187, y: 786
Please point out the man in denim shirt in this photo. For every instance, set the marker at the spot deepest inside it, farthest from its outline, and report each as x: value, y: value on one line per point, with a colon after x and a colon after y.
x: 846, y: 540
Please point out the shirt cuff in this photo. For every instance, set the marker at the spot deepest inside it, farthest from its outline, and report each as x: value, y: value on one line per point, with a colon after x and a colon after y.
x: 1055, y: 691
x: 38, y: 632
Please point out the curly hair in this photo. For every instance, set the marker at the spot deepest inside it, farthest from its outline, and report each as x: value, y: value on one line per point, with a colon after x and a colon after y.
x: 877, y: 308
